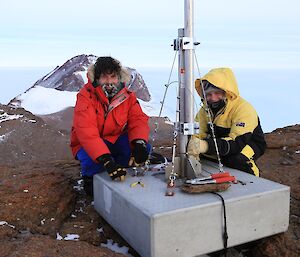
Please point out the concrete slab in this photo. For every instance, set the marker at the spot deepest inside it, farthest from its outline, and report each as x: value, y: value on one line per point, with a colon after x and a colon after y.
x: 188, y: 225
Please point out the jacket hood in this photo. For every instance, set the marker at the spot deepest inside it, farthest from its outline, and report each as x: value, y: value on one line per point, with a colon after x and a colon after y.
x: 125, y: 74
x: 222, y: 78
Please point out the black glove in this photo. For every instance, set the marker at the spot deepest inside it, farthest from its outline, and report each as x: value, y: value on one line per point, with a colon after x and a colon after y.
x: 139, y: 151
x: 114, y: 170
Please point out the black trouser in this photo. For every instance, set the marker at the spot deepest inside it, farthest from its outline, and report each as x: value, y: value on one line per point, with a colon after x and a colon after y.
x: 88, y: 185
x: 239, y: 162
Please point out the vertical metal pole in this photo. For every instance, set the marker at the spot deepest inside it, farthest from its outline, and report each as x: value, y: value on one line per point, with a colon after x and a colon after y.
x: 186, y: 77
x: 189, y: 60
x: 181, y: 78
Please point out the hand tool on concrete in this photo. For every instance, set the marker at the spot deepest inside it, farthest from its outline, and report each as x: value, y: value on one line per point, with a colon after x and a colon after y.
x: 212, y: 176
x: 211, y: 181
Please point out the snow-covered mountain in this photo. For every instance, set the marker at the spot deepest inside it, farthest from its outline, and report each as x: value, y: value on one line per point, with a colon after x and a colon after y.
x: 70, y: 76
x: 57, y: 90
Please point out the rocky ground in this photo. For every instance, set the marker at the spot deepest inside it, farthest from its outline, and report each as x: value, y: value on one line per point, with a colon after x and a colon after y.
x: 281, y: 163
x: 42, y: 203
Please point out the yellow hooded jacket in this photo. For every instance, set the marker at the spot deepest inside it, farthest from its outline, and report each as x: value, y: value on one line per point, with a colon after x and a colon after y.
x: 236, y: 125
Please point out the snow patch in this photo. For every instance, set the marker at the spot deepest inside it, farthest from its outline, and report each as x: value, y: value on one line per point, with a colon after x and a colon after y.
x: 41, y: 100
x: 92, y: 59
x: 150, y: 108
x: 32, y: 121
x: 4, y: 223
x: 5, y: 117
x: 68, y: 237
x: 116, y: 248
x: 14, y: 105
x: 4, y: 137
x: 73, y: 237
x: 100, y: 230
x: 79, y: 185
x: 58, y: 236
x: 83, y: 75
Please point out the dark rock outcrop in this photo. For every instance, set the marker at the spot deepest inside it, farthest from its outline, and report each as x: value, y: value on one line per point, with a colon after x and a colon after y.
x: 281, y: 163
x: 67, y: 77
x: 61, y: 120
x: 35, y: 197
x: 25, y: 137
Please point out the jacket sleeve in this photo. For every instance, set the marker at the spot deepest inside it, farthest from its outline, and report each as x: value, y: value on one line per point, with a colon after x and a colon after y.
x: 138, y: 127
x: 85, y: 124
x: 244, y: 121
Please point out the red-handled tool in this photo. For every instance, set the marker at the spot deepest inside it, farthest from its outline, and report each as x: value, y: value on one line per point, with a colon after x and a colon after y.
x: 212, y: 176
x: 211, y: 181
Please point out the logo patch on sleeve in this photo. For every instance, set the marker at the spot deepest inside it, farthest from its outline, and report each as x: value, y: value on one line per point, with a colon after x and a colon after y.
x: 240, y: 124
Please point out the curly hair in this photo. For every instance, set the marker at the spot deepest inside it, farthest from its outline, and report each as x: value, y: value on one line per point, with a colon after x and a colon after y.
x: 106, y: 65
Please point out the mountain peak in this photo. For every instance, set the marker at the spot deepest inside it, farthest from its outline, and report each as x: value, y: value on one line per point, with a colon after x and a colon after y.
x: 70, y: 76
x: 64, y: 82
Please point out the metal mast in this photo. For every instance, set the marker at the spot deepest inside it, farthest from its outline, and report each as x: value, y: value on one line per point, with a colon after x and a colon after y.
x: 189, y: 61
x: 185, y: 46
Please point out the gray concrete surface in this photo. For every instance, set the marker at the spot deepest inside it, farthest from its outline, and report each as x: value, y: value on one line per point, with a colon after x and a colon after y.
x: 189, y: 225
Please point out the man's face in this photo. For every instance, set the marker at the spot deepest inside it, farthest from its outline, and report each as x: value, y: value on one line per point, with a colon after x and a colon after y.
x: 215, y: 96
x: 109, y: 83
x: 111, y: 78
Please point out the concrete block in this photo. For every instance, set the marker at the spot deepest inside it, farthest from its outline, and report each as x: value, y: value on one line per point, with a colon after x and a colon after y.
x: 188, y: 225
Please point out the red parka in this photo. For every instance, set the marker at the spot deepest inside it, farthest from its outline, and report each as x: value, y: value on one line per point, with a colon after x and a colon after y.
x: 95, y: 119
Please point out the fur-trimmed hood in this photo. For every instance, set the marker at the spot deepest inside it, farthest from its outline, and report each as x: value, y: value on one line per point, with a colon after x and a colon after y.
x: 125, y: 74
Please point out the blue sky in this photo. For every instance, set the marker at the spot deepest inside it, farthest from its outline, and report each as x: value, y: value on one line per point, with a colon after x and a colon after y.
x: 249, y: 33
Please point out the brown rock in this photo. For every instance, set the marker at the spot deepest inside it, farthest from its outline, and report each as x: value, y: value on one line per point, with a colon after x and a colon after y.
x: 7, y: 232
x: 40, y: 199
x: 27, y: 138
x: 284, y: 137
x: 196, y: 189
x: 61, y: 120
x: 35, y: 198
x: 41, y: 246
x: 281, y: 163
x: 162, y: 135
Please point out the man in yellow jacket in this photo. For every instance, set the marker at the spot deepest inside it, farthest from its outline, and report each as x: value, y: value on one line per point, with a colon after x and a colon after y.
x: 236, y: 125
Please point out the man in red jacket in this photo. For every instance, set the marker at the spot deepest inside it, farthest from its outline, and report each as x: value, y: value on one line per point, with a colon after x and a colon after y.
x: 109, y: 126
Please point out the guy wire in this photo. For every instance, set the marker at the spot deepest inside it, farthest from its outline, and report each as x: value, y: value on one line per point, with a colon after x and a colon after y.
x: 205, y: 106
x: 163, y: 102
